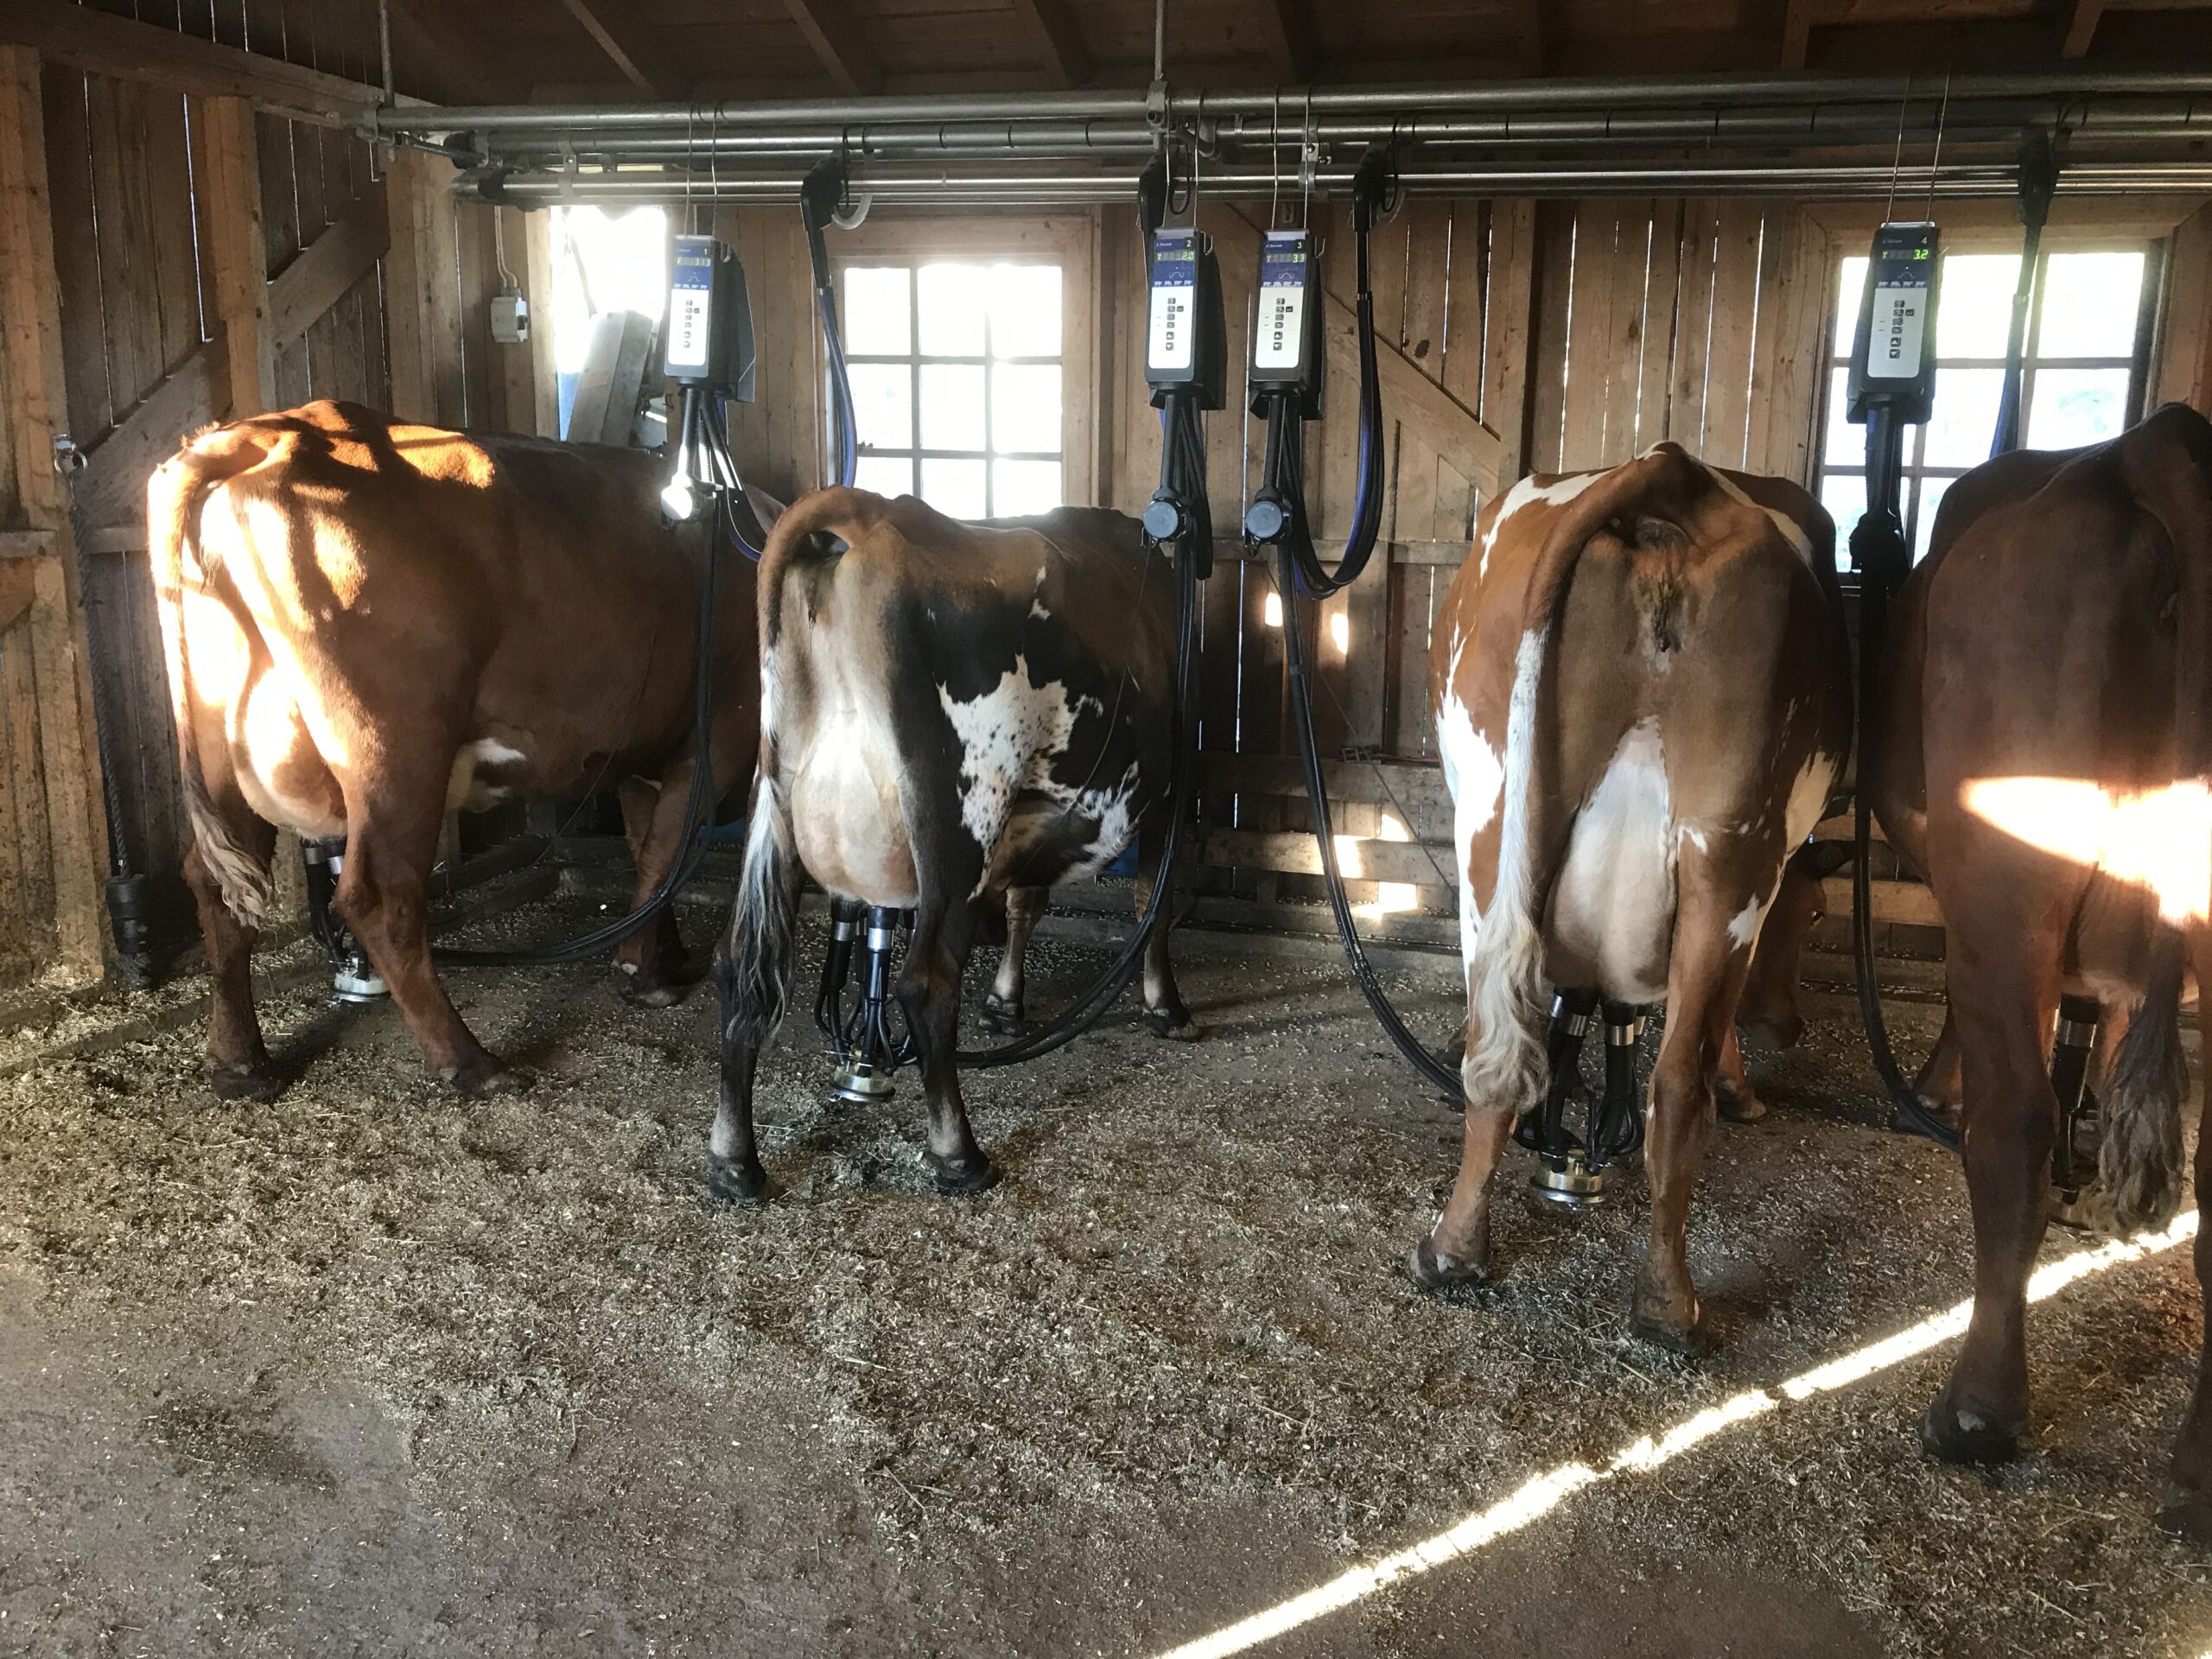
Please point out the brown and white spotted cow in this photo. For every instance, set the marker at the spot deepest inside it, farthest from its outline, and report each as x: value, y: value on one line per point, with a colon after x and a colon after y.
x: 953, y: 714
x: 1642, y: 690
x: 2042, y: 739
x: 370, y: 624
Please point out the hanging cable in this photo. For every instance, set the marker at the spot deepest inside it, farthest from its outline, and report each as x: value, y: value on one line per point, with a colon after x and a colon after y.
x: 2039, y: 182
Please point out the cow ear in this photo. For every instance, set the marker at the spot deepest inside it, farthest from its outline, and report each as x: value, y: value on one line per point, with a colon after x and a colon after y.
x: 765, y: 507
x: 1821, y: 859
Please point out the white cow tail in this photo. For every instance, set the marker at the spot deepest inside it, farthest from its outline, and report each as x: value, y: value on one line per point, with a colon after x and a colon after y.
x: 174, y: 495
x: 1505, y: 1066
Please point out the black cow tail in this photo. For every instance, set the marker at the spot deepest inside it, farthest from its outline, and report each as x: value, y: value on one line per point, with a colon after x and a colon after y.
x: 2140, y: 1162
x: 753, y: 970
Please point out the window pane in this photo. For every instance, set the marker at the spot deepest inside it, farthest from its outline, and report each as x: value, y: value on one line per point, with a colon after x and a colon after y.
x: 2090, y: 305
x: 1850, y: 291
x: 954, y: 487
x: 1966, y: 416
x: 883, y: 402
x: 1974, y: 311
x: 1025, y: 407
x: 2072, y: 407
x: 952, y: 406
x: 886, y: 474
x: 952, y: 310
x: 1025, y: 310
x: 1024, y: 487
x: 1931, y: 496
x: 1846, y: 500
x: 876, y: 321
x: 1846, y: 444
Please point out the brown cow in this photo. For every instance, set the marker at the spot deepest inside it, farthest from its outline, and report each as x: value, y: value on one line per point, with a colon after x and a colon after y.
x: 2050, y: 659
x: 1642, y: 690
x: 370, y: 624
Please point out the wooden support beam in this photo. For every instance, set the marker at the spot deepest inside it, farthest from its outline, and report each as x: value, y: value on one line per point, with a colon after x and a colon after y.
x: 238, y: 253
x: 1060, y: 50
x: 838, y: 40
x: 318, y: 278
x: 112, y: 490
x: 30, y: 345
x: 2083, y: 17
x: 87, y: 38
x: 615, y: 30
x: 1797, y: 21
x: 1287, y: 31
x: 421, y: 290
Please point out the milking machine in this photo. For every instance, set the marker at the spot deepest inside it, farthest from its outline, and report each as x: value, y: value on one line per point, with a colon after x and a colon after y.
x: 1890, y: 385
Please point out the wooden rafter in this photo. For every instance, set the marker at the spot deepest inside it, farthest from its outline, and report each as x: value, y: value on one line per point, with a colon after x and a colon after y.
x: 1287, y: 29
x: 614, y: 29
x: 2083, y: 17
x: 88, y: 39
x: 1797, y: 19
x: 838, y: 40
x: 424, y: 38
x: 1060, y: 50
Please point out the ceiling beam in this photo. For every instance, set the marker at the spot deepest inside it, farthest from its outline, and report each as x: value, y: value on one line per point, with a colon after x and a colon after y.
x: 423, y: 39
x: 1286, y: 32
x: 1797, y: 19
x: 614, y: 29
x: 1061, y: 51
x: 836, y: 35
x: 2083, y: 17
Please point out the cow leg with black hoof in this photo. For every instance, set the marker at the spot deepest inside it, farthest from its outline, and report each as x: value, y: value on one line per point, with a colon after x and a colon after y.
x: 1941, y: 1085
x: 1165, y: 1015
x: 382, y: 897
x: 929, y: 990
x: 651, y: 967
x: 1704, y: 980
x: 2002, y: 976
x: 1003, y: 1002
x: 1739, y: 1102
x: 733, y: 1171
x: 1456, y: 1251
x: 238, y: 1067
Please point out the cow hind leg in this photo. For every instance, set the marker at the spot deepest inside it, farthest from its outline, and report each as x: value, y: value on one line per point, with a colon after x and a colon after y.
x: 384, y: 896
x: 2185, y: 1508
x: 929, y: 991
x: 1704, y: 980
x: 752, y: 972
x: 238, y: 1067
x: 1164, y: 1011
x: 652, y: 966
x: 1002, y: 1003
x: 2002, y: 976
x: 1457, y: 1249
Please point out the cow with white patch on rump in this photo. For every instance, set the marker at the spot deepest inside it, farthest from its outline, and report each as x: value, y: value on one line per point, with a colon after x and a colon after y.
x: 953, y: 716
x: 1642, y: 690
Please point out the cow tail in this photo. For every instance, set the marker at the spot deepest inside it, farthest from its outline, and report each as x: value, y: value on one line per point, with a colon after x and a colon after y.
x: 1505, y: 1067
x: 174, y: 495
x: 752, y: 970
x: 2140, y: 1161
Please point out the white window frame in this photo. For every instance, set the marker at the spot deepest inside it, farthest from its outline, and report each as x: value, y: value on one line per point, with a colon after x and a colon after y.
x: 1917, y: 470
x: 1069, y: 241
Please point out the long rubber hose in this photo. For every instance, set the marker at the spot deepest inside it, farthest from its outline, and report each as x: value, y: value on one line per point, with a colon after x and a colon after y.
x: 1445, y: 1076
x: 1185, y: 442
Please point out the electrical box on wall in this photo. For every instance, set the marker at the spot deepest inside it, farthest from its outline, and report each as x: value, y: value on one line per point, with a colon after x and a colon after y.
x: 510, y: 319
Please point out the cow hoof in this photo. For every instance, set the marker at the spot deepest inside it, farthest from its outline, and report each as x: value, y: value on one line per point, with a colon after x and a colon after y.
x: 1943, y: 1111
x: 2188, y: 1517
x: 1174, y: 1024
x: 486, y: 1076
x: 1691, y: 1341
x: 1956, y: 1435
x: 1432, y: 1269
x: 254, y: 1081
x: 1000, y: 1017
x: 738, y: 1181
x: 1740, y: 1107
x: 956, y: 1177
x: 662, y: 995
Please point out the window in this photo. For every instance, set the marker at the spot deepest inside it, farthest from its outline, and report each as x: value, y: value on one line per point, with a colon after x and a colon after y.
x: 2081, y: 376
x: 959, y: 368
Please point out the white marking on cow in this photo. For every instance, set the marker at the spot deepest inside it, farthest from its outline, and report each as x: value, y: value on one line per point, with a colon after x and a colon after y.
x: 1504, y: 1065
x: 469, y: 787
x: 768, y: 693
x: 1792, y: 531
x: 1613, y: 903
x: 1693, y: 834
x: 1525, y: 492
x: 1036, y: 609
x: 1475, y: 775
x: 1008, y: 739
x: 1743, y: 926
x: 1808, y: 799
